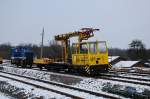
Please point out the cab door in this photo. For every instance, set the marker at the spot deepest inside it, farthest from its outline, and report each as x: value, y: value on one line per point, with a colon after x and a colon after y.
x: 80, y: 54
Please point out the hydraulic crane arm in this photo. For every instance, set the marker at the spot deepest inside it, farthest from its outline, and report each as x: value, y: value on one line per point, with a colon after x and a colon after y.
x: 83, y: 34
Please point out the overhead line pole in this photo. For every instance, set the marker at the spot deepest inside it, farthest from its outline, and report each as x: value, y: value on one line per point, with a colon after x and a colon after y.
x: 42, y: 43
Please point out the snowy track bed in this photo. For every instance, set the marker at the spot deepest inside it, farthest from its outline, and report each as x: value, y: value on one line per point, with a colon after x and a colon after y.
x: 134, y: 71
x: 16, y: 90
x: 58, y: 88
x: 126, y: 80
x: 144, y: 80
x: 105, y: 86
x: 129, y: 73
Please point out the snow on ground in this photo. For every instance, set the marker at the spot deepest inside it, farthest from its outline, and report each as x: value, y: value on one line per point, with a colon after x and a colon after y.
x: 125, y: 64
x: 3, y: 96
x: 62, y: 89
x: 92, y: 84
x: 112, y: 58
x: 97, y: 85
x: 43, y: 75
x: 33, y: 92
x: 135, y: 76
x: 6, y: 61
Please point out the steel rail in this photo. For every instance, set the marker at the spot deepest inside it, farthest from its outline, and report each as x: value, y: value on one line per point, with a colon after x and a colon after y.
x: 65, y: 86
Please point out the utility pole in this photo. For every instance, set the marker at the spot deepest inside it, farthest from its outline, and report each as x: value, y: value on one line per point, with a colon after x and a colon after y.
x: 42, y: 43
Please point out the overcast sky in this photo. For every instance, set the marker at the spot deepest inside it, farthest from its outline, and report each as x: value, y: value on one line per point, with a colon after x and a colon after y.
x: 119, y: 21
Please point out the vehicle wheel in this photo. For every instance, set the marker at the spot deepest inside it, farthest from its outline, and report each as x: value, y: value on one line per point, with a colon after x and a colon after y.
x: 30, y: 66
x: 23, y: 63
x: 40, y: 66
x: 11, y: 61
x: 48, y: 69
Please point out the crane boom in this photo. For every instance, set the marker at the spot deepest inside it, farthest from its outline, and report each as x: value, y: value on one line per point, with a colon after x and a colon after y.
x: 83, y: 34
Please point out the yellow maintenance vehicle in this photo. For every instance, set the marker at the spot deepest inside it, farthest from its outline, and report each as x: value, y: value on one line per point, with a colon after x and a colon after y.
x: 89, y: 57
x: 83, y: 57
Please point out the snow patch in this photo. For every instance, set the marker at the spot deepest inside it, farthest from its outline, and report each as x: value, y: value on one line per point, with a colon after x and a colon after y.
x: 125, y: 64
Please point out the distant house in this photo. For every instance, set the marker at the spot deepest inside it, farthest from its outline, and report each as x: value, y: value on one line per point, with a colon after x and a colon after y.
x: 128, y: 64
x: 114, y: 59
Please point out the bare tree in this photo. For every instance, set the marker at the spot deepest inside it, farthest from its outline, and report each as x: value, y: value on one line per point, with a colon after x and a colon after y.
x: 137, y: 50
x: 5, y: 50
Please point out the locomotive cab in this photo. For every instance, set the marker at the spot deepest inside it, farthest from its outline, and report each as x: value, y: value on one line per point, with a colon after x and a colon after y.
x: 92, y: 57
x: 22, y: 56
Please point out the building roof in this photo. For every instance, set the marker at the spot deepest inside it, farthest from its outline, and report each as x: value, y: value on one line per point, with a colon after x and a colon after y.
x: 112, y: 58
x: 125, y: 64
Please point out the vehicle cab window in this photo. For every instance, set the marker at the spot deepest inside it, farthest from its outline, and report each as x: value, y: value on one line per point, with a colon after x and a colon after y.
x: 92, y: 47
x: 83, y: 48
x: 102, y: 47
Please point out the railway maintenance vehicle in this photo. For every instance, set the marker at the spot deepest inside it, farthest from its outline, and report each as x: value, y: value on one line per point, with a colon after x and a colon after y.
x: 83, y: 57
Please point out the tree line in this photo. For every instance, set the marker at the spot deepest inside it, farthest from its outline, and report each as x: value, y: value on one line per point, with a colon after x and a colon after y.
x: 135, y: 51
x: 53, y: 50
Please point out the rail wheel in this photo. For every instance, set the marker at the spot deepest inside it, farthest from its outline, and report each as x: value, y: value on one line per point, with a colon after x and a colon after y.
x: 40, y: 66
x: 23, y: 63
x: 30, y: 66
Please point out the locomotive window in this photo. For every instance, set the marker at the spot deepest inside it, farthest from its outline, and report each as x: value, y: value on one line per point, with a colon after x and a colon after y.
x: 102, y: 47
x: 92, y: 48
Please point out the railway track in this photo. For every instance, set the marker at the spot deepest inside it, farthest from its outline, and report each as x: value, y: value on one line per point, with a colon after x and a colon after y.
x: 115, y: 78
x: 126, y: 77
x: 30, y: 81
x: 114, y: 72
x: 27, y: 81
x: 131, y: 73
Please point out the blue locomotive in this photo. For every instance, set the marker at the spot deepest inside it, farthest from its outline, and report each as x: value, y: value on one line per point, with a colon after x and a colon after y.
x: 22, y: 56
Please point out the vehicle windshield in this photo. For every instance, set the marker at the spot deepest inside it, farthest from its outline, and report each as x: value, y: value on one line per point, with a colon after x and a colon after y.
x: 83, y: 48
x: 102, y: 47
x: 16, y: 53
x: 92, y: 47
